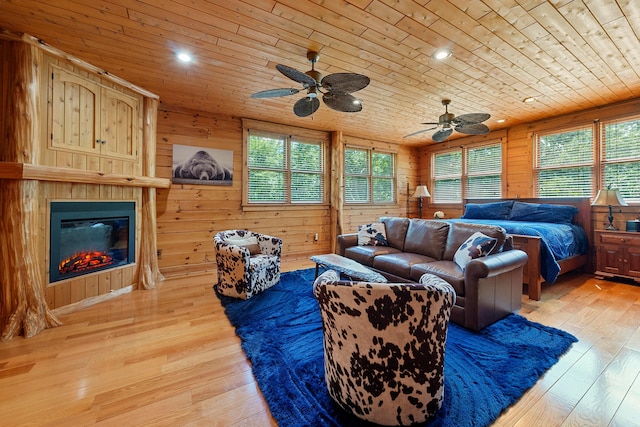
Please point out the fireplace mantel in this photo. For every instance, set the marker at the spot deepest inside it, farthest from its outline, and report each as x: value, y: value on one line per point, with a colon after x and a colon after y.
x: 12, y: 170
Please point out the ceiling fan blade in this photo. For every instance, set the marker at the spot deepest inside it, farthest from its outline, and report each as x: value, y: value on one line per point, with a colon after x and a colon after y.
x: 430, y: 123
x: 274, y: 93
x: 296, y: 75
x: 344, y: 82
x: 472, y: 118
x: 419, y: 132
x: 343, y: 102
x: 306, y: 106
x: 472, y: 128
x: 441, y: 135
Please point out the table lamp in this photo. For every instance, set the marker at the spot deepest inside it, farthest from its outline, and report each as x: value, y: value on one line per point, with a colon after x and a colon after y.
x: 421, y: 191
x: 609, y: 197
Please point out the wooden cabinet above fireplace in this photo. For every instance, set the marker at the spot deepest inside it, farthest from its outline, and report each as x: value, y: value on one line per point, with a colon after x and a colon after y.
x: 90, y: 123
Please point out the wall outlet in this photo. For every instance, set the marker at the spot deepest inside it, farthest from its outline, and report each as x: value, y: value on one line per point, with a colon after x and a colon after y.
x: 315, y: 238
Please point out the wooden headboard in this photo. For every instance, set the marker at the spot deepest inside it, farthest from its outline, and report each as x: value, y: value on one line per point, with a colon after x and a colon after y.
x: 582, y: 218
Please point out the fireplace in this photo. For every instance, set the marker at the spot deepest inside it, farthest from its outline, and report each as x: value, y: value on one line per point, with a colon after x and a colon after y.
x: 90, y: 236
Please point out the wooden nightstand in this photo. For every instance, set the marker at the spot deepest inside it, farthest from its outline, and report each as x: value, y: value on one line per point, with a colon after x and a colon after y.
x: 617, y: 254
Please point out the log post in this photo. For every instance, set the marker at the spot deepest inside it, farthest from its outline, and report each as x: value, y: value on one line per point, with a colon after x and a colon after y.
x: 337, y: 188
x: 23, y: 307
x: 148, y: 270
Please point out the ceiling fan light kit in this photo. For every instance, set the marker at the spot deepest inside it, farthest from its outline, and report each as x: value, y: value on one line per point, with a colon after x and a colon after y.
x: 335, y: 88
x: 470, y: 124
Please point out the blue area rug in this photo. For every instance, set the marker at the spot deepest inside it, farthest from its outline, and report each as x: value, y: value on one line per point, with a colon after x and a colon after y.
x: 281, y: 333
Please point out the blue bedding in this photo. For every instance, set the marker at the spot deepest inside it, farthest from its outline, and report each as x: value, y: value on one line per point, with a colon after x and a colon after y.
x: 558, y: 241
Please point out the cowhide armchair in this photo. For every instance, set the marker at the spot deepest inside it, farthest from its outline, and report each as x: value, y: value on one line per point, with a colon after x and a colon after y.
x: 384, y: 346
x: 248, y: 262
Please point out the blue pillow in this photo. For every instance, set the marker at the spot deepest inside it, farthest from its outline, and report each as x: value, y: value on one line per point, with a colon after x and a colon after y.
x: 495, y: 210
x: 541, y: 212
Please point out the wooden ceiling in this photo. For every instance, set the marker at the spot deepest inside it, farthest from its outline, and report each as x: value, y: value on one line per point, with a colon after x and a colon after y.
x: 569, y: 55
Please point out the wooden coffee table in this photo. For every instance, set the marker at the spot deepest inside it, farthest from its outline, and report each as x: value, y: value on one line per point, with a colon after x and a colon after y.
x: 348, y: 267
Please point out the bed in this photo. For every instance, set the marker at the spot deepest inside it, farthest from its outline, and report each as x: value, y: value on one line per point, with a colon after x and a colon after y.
x: 554, y: 248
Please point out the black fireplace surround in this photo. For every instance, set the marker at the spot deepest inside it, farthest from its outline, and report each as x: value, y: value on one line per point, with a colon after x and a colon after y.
x: 90, y: 236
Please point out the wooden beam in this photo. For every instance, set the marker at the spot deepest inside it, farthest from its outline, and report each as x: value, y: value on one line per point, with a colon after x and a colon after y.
x: 27, y: 171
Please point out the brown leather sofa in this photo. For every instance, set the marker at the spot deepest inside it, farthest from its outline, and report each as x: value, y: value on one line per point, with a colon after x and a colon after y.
x: 488, y: 289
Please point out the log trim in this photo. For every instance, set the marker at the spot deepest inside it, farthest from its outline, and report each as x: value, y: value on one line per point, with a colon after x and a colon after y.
x: 27, y: 171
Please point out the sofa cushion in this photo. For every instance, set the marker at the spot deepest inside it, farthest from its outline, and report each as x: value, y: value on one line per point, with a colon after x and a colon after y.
x: 396, y: 231
x: 460, y: 231
x: 399, y: 264
x: 372, y: 234
x: 447, y: 270
x: 365, y: 254
x: 426, y: 237
x: 476, y: 246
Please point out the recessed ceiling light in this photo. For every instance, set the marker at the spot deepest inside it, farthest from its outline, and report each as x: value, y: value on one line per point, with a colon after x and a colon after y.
x: 501, y: 120
x: 441, y: 54
x: 529, y: 99
x: 184, y: 57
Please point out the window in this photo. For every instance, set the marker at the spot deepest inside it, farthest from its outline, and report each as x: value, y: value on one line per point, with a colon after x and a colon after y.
x: 579, y: 161
x: 620, y: 158
x: 564, y: 163
x: 478, y: 176
x: 369, y: 176
x: 447, y: 177
x: 284, y: 169
x: 484, y: 172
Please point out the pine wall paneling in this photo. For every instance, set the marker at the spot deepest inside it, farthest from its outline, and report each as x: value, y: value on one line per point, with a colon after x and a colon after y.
x: 519, y: 159
x: 190, y: 215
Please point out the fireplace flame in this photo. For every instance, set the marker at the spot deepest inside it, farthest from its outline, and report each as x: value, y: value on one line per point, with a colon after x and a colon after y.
x: 83, y: 261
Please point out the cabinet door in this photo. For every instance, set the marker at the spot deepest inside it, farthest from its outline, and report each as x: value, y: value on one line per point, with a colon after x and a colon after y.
x: 74, y: 120
x: 610, y: 259
x: 121, y: 126
x: 632, y: 261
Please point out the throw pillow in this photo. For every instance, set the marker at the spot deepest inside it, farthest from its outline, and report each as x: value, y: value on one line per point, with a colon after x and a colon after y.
x: 476, y: 246
x: 373, y: 234
x: 495, y: 210
x: 541, y: 212
x: 250, y: 243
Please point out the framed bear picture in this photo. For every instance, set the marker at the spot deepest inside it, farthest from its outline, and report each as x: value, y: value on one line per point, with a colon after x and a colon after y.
x: 198, y: 165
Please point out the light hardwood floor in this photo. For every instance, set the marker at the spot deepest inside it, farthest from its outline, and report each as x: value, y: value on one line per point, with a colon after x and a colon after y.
x: 170, y: 357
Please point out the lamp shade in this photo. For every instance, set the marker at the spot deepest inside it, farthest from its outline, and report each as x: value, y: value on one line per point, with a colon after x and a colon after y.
x: 609, y: 197
x: 421, y: 191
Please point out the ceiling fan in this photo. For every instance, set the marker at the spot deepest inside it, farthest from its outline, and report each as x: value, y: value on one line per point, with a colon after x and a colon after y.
x: 471, y: 124
x: 335, y: 88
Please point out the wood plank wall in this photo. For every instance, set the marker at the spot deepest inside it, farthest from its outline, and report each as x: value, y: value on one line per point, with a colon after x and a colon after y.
x: 519, y: 159
x: 190, y: 215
